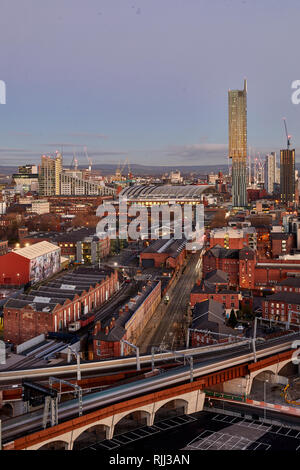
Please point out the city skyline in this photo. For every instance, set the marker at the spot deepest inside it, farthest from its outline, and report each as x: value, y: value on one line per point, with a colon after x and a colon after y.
x: 162, y: 96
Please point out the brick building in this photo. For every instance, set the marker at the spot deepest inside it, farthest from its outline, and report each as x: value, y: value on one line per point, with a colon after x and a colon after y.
x: 215, y: 286
x: 30, y: 264
x: 281, y: 243
x: 282, y: 306
x: 233, y: 238
x: 74, y: 205
x: 127, y: 323
x: 290, y: 284
x: 81, y: 245
x: 209, y: 316
x: 270, y: 272
x: 238, y: 264
x: 170, y: 253
x: 52, y: 306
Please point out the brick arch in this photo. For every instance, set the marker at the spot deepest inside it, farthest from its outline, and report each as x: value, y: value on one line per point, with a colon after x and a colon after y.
x: 89, y: 428
x: 7, y: 409
x: 283, y: 364
x: 121, y: 416
x: 53, y: 442
x: 272, y: 369
x: 177, y: 401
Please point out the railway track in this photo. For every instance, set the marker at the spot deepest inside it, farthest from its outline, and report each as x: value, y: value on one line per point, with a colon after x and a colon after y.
x: 32, y: 421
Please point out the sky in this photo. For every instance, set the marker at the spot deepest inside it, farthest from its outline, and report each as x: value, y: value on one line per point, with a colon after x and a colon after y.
x: 145, y: 80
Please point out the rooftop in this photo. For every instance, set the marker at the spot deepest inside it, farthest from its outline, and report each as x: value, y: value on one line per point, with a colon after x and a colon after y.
x: 290, y: 282
x: 38, y: 249
x: 117, y: 331
x: 57, y: 291
x: 287, y: 297
x: 166, y: 191
x: 172, y: 247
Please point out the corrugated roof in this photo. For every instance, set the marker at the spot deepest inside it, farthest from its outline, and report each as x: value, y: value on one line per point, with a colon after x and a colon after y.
x: 38, y: 249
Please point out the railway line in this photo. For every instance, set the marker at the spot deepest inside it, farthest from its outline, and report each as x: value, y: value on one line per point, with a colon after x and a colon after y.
x: 32, y: 421
x: 99, y: 367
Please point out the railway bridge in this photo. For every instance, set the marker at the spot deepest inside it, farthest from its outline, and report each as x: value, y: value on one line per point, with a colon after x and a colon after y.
x: 135, y: 405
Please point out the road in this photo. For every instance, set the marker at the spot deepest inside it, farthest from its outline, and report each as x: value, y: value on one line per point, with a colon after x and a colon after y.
x: 161, y: 329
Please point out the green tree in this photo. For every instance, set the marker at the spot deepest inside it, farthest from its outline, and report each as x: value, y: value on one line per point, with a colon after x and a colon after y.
x: 232, y: 320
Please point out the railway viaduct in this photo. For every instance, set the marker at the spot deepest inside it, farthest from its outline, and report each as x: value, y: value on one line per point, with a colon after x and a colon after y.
x: 145, y: 410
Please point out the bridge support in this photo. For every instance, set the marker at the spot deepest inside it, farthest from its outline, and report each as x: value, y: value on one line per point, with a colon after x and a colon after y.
x: 193, y: 400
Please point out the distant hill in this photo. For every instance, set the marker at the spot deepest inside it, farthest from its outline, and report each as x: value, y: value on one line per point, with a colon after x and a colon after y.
x: 146, y: 170
x: 108, y: 168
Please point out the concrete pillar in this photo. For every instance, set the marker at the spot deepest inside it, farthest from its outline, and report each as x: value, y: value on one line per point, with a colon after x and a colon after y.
x: 111, y: 431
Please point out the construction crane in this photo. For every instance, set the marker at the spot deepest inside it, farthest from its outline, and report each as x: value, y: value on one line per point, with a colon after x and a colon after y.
x: 288, y: 137
x: 74, y: 163
x: 88, y: 159
x: 119, y: 171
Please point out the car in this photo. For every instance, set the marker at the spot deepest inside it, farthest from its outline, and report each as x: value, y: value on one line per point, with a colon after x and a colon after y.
x: 239, y: 327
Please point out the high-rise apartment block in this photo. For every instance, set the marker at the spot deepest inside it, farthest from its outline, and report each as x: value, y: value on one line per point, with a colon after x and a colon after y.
x: 270, y: 172
x: 287, y: 176
x: 237, y: 121
x: 49, y: 175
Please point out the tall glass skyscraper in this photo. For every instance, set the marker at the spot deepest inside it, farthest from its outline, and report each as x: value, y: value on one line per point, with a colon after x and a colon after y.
x: 237, y: 123
x: 287, y: 176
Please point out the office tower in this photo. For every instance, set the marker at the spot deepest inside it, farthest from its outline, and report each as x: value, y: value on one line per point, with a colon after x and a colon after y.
x: 270, y: 172
x: 287, y: 176
x: 237, y: 121
x: 49, y: 175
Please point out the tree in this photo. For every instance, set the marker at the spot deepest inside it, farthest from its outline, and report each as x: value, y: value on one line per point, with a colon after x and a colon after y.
x: 219, y: 220
x: 232, y: 320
